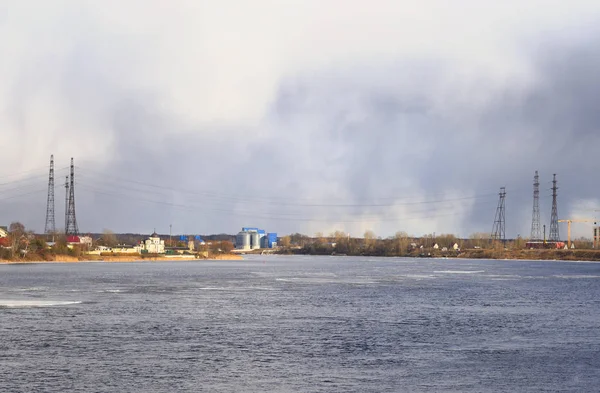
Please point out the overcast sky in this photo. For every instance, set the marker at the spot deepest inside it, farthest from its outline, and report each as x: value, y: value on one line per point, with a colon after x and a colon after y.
x: 300, y: 115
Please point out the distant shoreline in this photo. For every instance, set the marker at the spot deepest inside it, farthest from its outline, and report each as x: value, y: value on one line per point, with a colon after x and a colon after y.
x: 573, y: 255
x: 122, y: 259
x: 591, y: 256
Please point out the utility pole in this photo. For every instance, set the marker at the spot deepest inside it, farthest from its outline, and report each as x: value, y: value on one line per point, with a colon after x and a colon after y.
x: 535, y: 218
x: 50, y: 227
x: 170, y: 235
x: 499, y: 228
x: 554, y: 235
x: 544, y: 233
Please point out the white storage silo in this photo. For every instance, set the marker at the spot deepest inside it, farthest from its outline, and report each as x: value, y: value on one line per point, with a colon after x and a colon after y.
x: 255, y: 240
x: 242, y: 241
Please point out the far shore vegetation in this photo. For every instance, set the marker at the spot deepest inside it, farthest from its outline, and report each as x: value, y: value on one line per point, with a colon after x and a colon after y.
x: 24, y: 246
x: 478, y: 245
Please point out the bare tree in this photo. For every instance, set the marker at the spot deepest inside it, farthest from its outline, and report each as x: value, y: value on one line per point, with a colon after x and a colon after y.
x: 369, y: 238
x: 285, y: 241
x: 401, y: 239
x: 109, y: 238
x: 17, y: 235
x: 479, y: 239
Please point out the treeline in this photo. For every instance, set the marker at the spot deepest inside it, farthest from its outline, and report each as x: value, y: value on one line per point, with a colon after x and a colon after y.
x: 24, y: 245
x: 110, y: 239
x: 21, y: 244
x: 401, y: 244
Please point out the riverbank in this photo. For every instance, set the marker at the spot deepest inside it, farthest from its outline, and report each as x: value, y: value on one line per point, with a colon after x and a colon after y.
x: 122, y: 258
x: 541, y: 255
x: 523, y: 254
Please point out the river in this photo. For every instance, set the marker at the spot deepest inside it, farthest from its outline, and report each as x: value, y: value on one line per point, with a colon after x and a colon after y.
x: 301, y: 324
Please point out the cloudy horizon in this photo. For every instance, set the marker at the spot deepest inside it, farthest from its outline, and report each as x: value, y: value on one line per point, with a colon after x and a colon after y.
x: 299, y: 116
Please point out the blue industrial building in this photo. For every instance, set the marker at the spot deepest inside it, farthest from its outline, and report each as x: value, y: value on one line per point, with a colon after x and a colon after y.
x: 255, y: 238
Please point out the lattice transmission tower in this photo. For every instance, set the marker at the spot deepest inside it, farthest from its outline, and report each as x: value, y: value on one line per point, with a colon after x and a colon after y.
x: 50, y: 227
x: 554, y: 235
x: 66, y: 202
x: 71, y: 225
x: 499, y: 229
x: 536, y: 233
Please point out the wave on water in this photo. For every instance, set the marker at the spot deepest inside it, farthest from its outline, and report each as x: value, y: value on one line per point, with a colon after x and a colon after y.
x: 574, y: 276
x: 459, y: 271
x: 34, y: 303
x: 324, y: 280
x: 237, y: 289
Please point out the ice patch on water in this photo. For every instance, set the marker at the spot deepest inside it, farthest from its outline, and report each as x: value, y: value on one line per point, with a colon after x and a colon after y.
x: 576, y: 276
x: 502, y: 277
x: 319, y: 280
x: 459, y: 271
x: 236, y: 289
x: 419, y: 276
x: 34, y: 303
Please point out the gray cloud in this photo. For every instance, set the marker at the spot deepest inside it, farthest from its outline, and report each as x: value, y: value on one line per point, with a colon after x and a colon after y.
x: 371, y: 138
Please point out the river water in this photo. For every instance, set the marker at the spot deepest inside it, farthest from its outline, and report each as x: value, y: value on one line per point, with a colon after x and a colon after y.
x: 301, y: 324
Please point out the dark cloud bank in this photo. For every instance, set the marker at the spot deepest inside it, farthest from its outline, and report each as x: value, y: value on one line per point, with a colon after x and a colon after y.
x: 360, y: 136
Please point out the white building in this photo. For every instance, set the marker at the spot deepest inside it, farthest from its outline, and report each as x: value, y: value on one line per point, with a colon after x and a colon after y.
x: 85, y: 240
x: 153, y: 245
x: 118, y: 249
x: 3, y: 232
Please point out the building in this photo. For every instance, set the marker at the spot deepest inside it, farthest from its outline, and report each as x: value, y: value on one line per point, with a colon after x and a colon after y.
x: 83, y: 241
x: 153, y: 245
x: 545, y: 244
x: 118, y: 249
x: 255, y: 238
x: 4, y: 240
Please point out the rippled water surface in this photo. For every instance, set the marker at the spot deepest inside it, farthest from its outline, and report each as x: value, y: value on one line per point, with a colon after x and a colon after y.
x: 300, y: 324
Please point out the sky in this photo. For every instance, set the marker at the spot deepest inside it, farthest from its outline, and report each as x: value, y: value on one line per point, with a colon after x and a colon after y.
x: 201, y: 117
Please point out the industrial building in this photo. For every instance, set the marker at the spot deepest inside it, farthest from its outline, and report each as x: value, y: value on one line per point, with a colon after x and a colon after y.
x: 254, y: 239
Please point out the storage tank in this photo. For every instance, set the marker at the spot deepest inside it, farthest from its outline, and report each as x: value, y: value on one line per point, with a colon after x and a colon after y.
x: 255, y: 240
x: 242, y: 241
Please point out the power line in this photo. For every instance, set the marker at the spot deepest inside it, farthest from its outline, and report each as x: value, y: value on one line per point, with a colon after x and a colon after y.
x: 24, y: 194
x: 276, y: 200
x: 42, y: 168
x: 262, y: 216
x: 442, y: 205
